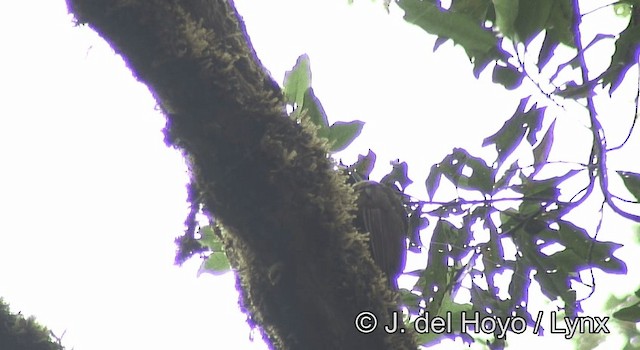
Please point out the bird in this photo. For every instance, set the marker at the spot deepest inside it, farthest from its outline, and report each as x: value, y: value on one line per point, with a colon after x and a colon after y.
x: 381, y: 214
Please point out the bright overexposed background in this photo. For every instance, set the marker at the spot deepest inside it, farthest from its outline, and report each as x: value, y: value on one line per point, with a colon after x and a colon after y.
x: 91, y: 198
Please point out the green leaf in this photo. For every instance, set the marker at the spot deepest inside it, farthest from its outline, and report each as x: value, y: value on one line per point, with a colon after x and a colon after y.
x: 513, y: 131
x: 596, y: 253
x: 455, y: 310
x: 487, y: 305
x: 549, y: 45
x: 541, y: 152
x: 554, y: 281
x: 398, y: 174
x: 632, y: 182
x: 497, y: 54
x: 416, y: 223
x: 582, y: 251
x: 482, y: 176
x: 560, y: 24
x: 506, y: 13
x: 460, y: 239
x: 434, y: 278
x: 297, y: 81
x: 210, y: 239
x: 315, y: 112
x: 629, y: 314
x: 410, y: 300
x: 361, y: 169
x: 462, y: 28
x: 433, y: 180
x: 519, y: 289
x: 625, y: 55
x: 217, y: 262
x: 554, y: 272
x: 299, y: 93
x: 454, y: 164
x: 508, y: 76
x: 505, y: 180
x: 576, y: 91
x: 543, y: 189
x: 532, y: 18
x: 568, y: 261
x: 341, y: 134
x: 480, y: 10
x: 493, y: 259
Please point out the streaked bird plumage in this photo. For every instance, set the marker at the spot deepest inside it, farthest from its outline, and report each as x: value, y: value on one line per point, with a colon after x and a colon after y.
x: 382, y: 215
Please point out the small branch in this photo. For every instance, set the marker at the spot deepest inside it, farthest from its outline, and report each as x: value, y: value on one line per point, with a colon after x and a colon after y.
x: 635, y: 118
x: 599, y: 151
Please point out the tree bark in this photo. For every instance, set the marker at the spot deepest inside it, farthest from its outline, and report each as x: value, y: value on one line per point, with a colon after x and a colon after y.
x: 303, y: 271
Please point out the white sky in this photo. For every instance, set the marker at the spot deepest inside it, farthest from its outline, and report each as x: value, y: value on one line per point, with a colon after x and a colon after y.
x: 91, y: 198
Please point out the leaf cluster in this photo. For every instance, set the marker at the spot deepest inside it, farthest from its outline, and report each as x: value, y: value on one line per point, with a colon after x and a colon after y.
x: 20, y: 333
x: 508, y: 218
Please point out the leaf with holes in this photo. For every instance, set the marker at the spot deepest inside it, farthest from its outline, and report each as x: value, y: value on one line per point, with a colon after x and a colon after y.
x: 434, y: 278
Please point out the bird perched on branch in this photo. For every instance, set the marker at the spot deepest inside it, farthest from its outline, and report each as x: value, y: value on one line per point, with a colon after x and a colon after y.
x: 381, y: 213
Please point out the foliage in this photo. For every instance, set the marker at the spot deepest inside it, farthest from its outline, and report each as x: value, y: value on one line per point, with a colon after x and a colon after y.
x: 630, y: 313
x: 508, y: 215
x: 623, y: 323
x: 300, y: 97
x: 20, y: 333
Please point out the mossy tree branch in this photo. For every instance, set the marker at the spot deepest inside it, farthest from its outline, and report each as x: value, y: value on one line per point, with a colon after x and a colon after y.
x: 303, y: 271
